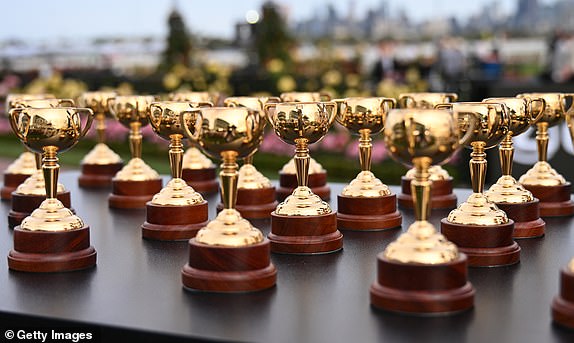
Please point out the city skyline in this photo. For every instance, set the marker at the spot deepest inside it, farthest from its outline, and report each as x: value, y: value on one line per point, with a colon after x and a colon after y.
x: 67, y: 19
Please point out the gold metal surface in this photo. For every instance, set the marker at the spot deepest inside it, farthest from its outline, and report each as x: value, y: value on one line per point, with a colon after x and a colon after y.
x: 177, y: 193
x: 304, y: 97
x: 226, y: 133
x: 195, y: 97
x: 194, y: 159
x: 49, y: 131
x: 314, y: 167
x: 364, y: 117
x: 436, y: 173
x: 101, y: 154
x: 136, y: 170
x: 522, y: 116
x: 301, y: 124
x: 249, y: 176
x: 14, y: 97
x: 425, y: 100
x: 493, y: 123
x: 419, y: 138
x: 554, y: 112
x: 35, y: 185
x: 25, y: 164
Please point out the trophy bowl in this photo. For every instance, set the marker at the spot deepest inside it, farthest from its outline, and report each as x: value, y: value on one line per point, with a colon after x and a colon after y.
x: 365, y: 203
x: 425, y: 100
x: 424, y: 257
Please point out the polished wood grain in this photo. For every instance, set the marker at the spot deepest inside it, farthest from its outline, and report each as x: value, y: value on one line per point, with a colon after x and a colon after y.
x: 174, y: 223
x: 133, y: 194
x: 368, y: 213
x: 555, y: 201
x: 11, y: 182
x: 422, y: 288
x: 203, y: 181
x: 563, y: 303
x: 254, y: 203
x: 226, y: 269
x: 485, y: 246
x: 317, y: 183
x: 98, y: 175
x: 526, y: 216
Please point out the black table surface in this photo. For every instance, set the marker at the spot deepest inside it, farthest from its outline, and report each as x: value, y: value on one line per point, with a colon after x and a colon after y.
x: 319, y: 298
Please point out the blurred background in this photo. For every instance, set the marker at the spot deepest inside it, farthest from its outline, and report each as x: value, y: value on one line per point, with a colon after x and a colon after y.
x: 346, y: 48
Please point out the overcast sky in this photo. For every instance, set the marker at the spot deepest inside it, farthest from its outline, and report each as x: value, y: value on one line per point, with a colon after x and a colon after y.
x: 53, y: 19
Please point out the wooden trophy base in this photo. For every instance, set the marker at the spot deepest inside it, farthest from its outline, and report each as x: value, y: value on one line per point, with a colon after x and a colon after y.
x: 11, y: 182
x: 98, y: 175
x: 368, y: 214
x: 417, y: 288
x: 442, y: 195
x: 228, y: 269
x: 554, y: 200
x: 174, y: 223
x: 563, y: 304
x: 485, y: 246
x: 203, y: 181
x: 133, y: 194
x: 254, y: 203
x: 24, y: 204
x: 526, y: 217
x: 317, y: 183
x: 305, y: 234
x: 49, y: 251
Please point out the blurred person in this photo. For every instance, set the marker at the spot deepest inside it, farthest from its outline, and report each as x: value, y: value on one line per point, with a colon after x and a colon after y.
x: 563, y: 60
x: 491, y: 65
x: 386, y: 66
x: 451, y: 64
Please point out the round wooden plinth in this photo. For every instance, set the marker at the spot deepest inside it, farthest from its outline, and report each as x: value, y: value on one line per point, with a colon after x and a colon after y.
x: 442, y: 195
x: 174, y: 223
x: 203, y: 181
x: 366, y: 214
x: 254, y: 203
x: 317, y: 183
x: 98, y: 175
x: 485, y: 246
x: 554, y: 200
x: 563, y: 303
x: 133, y: 194
x: 422, y: 288
x: 24, y: 204
x: 45, y: 251
x: 229, y: 269
x: 526, y: 216
x: 305, y: 234
x: 11, y: 182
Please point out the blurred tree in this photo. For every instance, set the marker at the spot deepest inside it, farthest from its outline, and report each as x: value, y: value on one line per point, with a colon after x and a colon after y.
x: 179, y: 45
x: 272, y: 39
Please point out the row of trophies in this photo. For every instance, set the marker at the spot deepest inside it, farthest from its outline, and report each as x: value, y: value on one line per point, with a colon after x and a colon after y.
x: 423, y: 271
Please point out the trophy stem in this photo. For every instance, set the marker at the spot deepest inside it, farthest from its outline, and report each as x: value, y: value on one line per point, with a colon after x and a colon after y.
x: 542, y: 141
x: 176, y: 155
x: 506, y: 155
x: 101, y: 127
x: 136, y: 139
x: 302, y: 159
x: 229, y: 176
x: 51, y: 169
x: 38, y: 158
x: 478, y: 166
x: 421, y: 188
x: 248, y: 159
x: 365, y: 148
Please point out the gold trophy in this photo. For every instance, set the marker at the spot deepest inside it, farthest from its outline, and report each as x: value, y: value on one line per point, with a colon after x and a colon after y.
x: 545, y: 183
x: 563, y: 304
x: 422, y: 272
x: 100, y: 165
x: 366, y: 203
x: 255, y: 193
x: 52, y: 238
x: 478, y: 227
x: 229, y: 254
x: 31, y: 193
x: 509, y: 195
x: 317, y: 174
x: 303, y: 223
x: 136, y: 183
x: 198, y: 170
x: 442, y: 195
x: 177, y: 212
x: 26, y: 164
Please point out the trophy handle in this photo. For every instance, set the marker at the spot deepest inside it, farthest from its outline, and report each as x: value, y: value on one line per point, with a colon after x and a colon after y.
x: 205, y: 104
x: 230, y: 103
x: 405, y: 100
x: 155, y: 120
x: 388, y: 104
x: 66, y: 103
x: 325, y: 96
x: 90, y: 118
x: 452, y: 97
x: 270, y: 110
x: 570, y: 116
x: 251, y: 121
x: 537, y: 117
x: 333, y: 105
x: 110, y: 106
x: 272, y: 99
x: 14, y: 115
x: 186, y: 117
x: 339, y: 118
x: 472, y: 120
